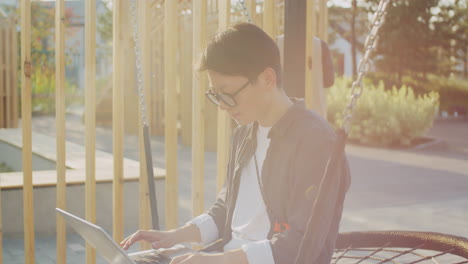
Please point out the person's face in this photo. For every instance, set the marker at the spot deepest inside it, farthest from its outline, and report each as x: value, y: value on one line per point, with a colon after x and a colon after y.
x: 238, y: 96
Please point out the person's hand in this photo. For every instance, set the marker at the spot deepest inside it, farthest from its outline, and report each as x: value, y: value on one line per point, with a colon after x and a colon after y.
x: 199, y: 258
x: 158, y: 239
x: 164, y: 239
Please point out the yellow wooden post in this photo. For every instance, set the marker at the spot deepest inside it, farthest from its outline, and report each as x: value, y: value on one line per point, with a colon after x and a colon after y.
x: 3, y: 83
x: 28, y: 202
x: 186, y: 57
x: 252, y: 9
x: 117, y: 122
x: 324, y: 20
x: 311, y: 26
x: 198, y: 109
x: 60, y: 127
x: 269, y: 18
x: 170, y: 27
x: 14, y: 65
x: 224, y: 122
x: 90, y: 119
x: 7, y: 70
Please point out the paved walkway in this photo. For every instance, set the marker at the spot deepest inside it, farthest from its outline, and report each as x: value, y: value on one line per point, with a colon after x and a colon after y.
x: 418, y: 189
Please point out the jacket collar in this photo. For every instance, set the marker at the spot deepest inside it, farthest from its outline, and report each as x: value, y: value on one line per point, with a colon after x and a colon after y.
x: 283, y: 124
x: 280, y: 128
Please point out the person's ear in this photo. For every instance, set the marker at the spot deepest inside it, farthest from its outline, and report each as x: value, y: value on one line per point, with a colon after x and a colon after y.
x: 269, y: 78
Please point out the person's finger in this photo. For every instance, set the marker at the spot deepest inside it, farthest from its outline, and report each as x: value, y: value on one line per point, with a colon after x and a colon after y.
x: 126, y: 239
x: 137, y: 236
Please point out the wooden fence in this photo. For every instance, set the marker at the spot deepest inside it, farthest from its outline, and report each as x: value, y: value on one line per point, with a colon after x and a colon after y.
x: 175, y: 97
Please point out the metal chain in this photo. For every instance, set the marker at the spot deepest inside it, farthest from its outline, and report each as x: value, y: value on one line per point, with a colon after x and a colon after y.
x: 138, y: 63
x: 369, y: 46
x: 245, y: 11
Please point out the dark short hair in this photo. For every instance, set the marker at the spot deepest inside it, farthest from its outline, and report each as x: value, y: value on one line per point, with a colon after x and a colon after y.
x: 241, y: 50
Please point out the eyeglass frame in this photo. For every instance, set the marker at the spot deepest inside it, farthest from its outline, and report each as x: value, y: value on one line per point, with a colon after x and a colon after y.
x: 219, y: 98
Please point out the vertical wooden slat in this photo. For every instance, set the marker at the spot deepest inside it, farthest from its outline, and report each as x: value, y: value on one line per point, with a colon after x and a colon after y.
x: 14, y: 73
x: 60, y: 126
x: 252, y: 9
x: 3, y: 84
x: 224, y: 13
x: 144, y: 26
x: 170, y: 27
x: 145, y: 44
x: 311, y: 31
x: 269, y: 18
x: 90, y: 119
x: 9, y: 73
x: 198, y: 109
x: 117, y: 123
x: 28, y: 202
x: 185, y: 38
x: 224, y: 124
x: 324, y: 15
x: 320, y: 20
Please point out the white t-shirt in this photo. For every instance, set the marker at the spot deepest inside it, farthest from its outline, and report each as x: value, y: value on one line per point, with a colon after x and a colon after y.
x: 250, y: 221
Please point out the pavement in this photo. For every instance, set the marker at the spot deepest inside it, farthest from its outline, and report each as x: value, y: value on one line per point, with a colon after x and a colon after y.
x: 418, y: 189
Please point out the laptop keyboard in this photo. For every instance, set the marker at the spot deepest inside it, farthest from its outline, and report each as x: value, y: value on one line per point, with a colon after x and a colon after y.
x: 151, y: 258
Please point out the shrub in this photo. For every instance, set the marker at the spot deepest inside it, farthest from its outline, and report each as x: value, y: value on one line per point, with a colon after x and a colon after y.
x: 453, y: 92
x: 383, y: 117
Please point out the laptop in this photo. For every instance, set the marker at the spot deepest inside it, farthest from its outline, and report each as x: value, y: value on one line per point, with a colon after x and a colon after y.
x: 98, y: 238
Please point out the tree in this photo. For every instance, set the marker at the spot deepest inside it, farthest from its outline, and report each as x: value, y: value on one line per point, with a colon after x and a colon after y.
x: 421, y: 37
x: 350, y: 25
x: 452, y: 28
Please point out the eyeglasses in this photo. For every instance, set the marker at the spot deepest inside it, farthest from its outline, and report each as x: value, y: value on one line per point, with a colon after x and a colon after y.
x: 226, y: 98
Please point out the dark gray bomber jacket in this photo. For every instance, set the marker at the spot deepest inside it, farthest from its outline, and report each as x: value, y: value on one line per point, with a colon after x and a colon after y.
x: 300, y: 145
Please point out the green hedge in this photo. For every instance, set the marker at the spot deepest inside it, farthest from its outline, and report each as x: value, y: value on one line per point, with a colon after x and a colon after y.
x: 383, y: 117
x: 453, y: 92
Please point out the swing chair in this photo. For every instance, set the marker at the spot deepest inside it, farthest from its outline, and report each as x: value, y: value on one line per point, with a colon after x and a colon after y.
x: 353, y: 247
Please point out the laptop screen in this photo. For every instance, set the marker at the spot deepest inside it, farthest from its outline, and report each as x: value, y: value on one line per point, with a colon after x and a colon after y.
x: 97, y: 238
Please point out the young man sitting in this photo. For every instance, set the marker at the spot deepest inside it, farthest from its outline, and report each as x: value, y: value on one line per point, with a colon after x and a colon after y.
x: 277, y: 159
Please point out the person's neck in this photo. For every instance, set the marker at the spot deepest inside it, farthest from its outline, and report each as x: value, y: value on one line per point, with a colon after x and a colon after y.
x: 276, y: 110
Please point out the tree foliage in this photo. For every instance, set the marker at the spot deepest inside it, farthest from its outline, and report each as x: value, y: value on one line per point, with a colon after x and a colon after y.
x: 419, y: 36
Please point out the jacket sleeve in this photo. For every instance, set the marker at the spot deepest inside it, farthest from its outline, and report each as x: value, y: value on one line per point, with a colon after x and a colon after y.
x: 307, y: 169
x: 219, y: 210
